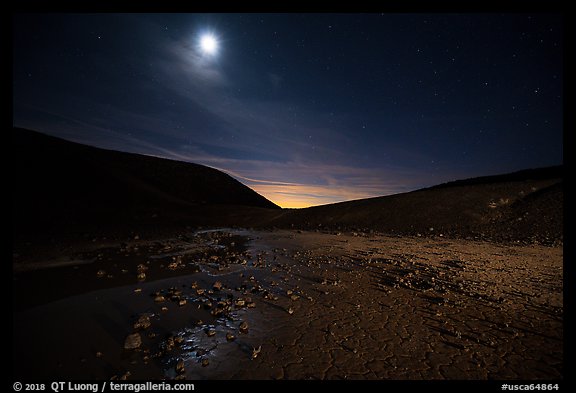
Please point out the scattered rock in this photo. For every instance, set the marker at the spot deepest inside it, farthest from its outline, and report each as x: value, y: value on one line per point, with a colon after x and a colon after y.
x: 256, y: 352
x: 159, y: 299
x: 244, y: 327
x: 211, y: 332
x: 98, y: 354
x: 290, y: 310
x: 207, y: 304
x: 269, y: 296
x: 101, y: 273
x: 133, y: 341
x: 143, y: 322
x: 180, y: 367
x: 205, y: 362
x: 217, y: 286
x: 200, y: 291
x: 182, y: 302
x: 125, y: 376
x: 169, y: 345
x: 141, y: 276
x: 230, y: 337
x: 138, y: 290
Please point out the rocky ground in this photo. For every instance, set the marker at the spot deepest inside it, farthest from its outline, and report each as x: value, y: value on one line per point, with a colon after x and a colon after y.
x: 238, y: 304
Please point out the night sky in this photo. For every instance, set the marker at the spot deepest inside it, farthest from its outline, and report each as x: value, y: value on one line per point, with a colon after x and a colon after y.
x: 306, y: 109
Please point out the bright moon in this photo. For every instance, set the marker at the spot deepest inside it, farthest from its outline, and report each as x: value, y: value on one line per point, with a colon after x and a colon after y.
x: 208, y: 44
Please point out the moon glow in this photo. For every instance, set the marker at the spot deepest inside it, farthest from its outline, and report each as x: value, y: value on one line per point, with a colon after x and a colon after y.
x: 208, y: 44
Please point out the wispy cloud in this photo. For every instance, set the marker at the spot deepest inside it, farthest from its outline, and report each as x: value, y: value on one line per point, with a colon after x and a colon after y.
x: 294, y: 155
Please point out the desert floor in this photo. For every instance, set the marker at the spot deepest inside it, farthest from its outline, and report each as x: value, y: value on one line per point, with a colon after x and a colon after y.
x: 240, y: 304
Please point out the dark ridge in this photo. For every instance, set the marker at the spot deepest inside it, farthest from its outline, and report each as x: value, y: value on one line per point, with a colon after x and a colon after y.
x: 65, y: 187
x: 552, y: 172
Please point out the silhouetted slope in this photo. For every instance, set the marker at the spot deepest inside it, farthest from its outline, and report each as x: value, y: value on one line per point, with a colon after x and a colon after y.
x: 64, y: 185
x: 552, y: 172
x: 525, y: 205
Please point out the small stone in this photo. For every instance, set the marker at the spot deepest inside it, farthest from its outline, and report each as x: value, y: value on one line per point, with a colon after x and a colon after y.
x: 256, y: 352
x: 217, y: 286
x: 169, y: 344
x: 205, y: 362
x: 101, y: 273
x: 211, y: 332
x: 182, y: 302
x: 133, y: 341
x: 143, y: 322
x: 244, y: 327
x: 230, y: 337
x: 240, y: 303
x: 137, y: 237
x: 180, y: 367
x: 98, y: 354
x: 194, y: 285
x: 138, y: 290
x: 159, y: 299
x: 207, y: 304
x: 251, y: 305
x: 290, y: 310
x: 125, y: 376
x: 294, y: 297
x: 141, y: 276
x: 164, y: 308
x: 200, y: 291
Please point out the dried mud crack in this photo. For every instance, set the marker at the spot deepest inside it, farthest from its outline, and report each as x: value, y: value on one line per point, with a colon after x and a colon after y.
x: 238, y: 304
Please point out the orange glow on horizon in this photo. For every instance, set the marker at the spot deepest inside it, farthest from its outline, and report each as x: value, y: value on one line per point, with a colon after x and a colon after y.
x: 298, y: 196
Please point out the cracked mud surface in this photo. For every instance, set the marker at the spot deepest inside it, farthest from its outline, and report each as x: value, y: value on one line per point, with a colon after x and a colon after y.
x: 309, y: 305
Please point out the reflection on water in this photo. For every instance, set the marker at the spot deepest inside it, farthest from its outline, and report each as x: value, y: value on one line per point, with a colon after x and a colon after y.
x: 194, y: 321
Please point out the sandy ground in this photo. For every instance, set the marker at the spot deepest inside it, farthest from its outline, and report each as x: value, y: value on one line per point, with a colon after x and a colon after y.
x: 317, y: 306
